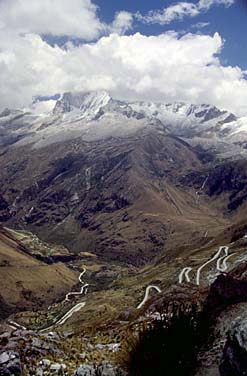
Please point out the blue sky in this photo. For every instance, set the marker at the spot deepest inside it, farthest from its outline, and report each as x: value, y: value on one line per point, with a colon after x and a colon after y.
x: 230, y: 22
x: 190, y: 51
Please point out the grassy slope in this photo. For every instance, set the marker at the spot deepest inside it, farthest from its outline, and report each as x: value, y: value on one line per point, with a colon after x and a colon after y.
x: 26, y: 281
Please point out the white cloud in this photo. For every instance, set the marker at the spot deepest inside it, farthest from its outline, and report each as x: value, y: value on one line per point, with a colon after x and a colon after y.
x: 42, y: 107
x: 76, y: 18
x: 200, y: 25
x: 73, y: 18
x: 180, y: 10
x: 174, y: 12
x: 207, y: 4
x: 123, y: 22
x: 167, y: 67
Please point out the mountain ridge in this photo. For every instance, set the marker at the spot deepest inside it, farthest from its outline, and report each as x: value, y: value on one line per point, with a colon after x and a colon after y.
x: 97, y: 116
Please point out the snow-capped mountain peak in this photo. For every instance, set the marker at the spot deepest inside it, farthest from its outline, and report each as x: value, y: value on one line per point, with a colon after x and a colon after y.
x: 89, y: 104
x: 184, y: 115
x: 96, y: 116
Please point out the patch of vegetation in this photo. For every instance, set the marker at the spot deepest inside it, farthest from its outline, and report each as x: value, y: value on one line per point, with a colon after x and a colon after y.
x: 168, y: 346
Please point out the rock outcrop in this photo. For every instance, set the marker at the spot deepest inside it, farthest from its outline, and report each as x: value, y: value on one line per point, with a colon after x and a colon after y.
x: 234, y: 359
x: 106, y: 369
x: 10, y: 363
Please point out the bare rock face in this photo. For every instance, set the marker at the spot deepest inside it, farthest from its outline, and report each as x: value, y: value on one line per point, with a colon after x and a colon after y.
x: 224, y: 291
x: 106, y: 369
x: 234, y: 359
x: 10, y: 364
x: 85, y: 370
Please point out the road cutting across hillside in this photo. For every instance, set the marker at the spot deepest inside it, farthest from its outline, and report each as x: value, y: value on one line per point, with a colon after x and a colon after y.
x: 64, y: 318
x: 83, y: 290
x: 184, y: 273
x: 221, y: 265
x: 215, y: 257
x: 74, y: 309
x: 147, y: 294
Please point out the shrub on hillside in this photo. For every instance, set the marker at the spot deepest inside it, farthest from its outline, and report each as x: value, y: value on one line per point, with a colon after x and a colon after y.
x: 168, y: 346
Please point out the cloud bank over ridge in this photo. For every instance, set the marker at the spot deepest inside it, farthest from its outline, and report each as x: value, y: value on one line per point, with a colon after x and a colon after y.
x: 166, y: 67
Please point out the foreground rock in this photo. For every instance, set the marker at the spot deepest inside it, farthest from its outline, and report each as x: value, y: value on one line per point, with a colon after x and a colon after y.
x: 10, y: 364
x: 31, y: 353
x: 106, y: 369
x: 234, y: 360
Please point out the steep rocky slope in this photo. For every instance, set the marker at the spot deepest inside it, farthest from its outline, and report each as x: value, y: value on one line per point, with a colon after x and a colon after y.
x: 122, y: 198
x: 112, y: 178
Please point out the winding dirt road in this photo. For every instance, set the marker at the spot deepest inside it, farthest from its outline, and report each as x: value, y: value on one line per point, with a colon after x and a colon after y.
x: 64, y: 318
x: 184, y: 273
x: 222, y: 259
x: 221, y: 265
x: 147, y: 294
x: 84, y: 287
x: 74, y: 309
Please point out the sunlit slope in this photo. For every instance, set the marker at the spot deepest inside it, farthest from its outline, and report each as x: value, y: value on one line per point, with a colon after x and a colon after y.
x: 27, y: 282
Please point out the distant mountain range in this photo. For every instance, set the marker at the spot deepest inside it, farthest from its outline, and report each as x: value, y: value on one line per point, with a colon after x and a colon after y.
x: 97, y: 116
